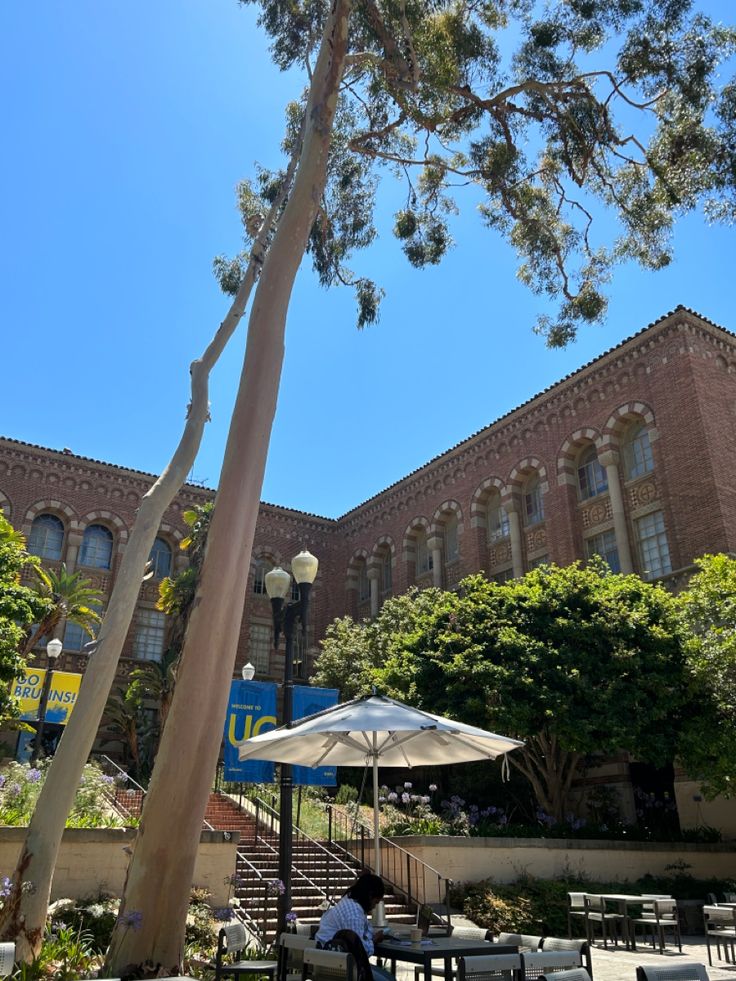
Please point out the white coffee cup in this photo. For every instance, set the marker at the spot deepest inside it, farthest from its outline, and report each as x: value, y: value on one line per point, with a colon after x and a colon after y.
x: 415, y: 935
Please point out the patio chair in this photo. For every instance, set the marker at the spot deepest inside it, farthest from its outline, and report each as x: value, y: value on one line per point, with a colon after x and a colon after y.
x: 581, y: 946
x: 493, y: 967
x: 461, y: 933
x: 663, y: 917
x: 597, y: 912
x: 521, y: 940
x: 291, y: 955
x: 230, y: 941
x: 730, y: 897
x: 328, y: 965
x: 7, y: 959
x: 538, y: 963
x: 720, y: 925
x: 672, y: 972
x: 574, y: 974
x: 575, y: 907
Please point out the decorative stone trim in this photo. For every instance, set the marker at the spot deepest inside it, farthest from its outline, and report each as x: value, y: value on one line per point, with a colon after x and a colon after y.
x: 5, y: 507
x: 596, y: 512
x: 480, y: 499
x: 49, y: 506
x: 500, y: 553
x: 526, y: 466
x: 536, y: 539
x: 618, y: 420
x: 570, y: 450
x: 408, y: 546
x: 446, y: 508
x: 384, y: 543
x: 643, y: 493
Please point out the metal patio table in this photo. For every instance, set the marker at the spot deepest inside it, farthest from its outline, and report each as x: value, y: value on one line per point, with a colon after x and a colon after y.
x: 622, y: 901
x: 446, y: 949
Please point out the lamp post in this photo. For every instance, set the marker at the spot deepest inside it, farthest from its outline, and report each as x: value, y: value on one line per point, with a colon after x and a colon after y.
x: 285, y: 615
x: 53, y: 649
x: 248, y: 672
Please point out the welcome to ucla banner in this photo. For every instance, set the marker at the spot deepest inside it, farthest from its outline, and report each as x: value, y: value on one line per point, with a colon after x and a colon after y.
x: 308, y: 700
x: 252, y: 711
x: 63, y: 693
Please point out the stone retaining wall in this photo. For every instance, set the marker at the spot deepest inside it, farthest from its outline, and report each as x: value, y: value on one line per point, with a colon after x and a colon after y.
x: 95, y: 859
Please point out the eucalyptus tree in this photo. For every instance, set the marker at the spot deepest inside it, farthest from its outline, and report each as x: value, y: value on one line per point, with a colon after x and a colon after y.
x: 551, y: 115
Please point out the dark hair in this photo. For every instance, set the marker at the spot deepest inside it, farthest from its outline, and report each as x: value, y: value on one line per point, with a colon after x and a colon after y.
x: 365, y: 888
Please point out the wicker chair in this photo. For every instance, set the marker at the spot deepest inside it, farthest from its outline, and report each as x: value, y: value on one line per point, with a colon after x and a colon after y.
x: 672, y: 972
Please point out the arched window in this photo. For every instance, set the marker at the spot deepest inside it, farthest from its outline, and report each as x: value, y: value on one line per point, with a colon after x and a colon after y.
x: 423, y: 555
x: 452, y: 548
x: 160, y: 559
x: 364, y: 585
x: 263, y: 566
x: 386, y: 573
x: 638, y: 457
x: 96, y: 550
x: 47, y: 537
x: 498, y: 521
x: 592, y: 478
x: 533, y: 503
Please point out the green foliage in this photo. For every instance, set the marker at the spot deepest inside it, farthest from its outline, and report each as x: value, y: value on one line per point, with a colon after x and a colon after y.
x: 19, y: 608
x: 351, y: 652
x: 573, y: 661
x: 66, y: 954
x: 531, y: 905
x: 557, y: 117
x: 709, y: 614
x: 346, y: 794
x: 21, y: 785
x: 66, y: 596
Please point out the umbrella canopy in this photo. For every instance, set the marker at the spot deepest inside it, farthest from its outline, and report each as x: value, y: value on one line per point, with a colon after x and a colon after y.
x: 376, y: 730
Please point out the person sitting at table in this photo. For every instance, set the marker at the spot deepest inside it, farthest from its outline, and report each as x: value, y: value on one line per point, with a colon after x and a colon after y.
x: 351, y: 914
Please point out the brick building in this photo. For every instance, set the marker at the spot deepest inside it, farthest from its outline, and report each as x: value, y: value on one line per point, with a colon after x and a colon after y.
x: 633, y: 456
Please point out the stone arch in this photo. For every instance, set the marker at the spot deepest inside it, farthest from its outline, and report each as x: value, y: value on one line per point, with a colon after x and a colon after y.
x: 481, y: 496
x: 384, y: 543
x: 621, y: 419
x: 570, y: 451
x: 446, y: 508
x: 110, y: 520
x: 50, y: 506
x: 358, y: 561
x: 5, y: 506
x: 381, y: 564
x: 523, y: 468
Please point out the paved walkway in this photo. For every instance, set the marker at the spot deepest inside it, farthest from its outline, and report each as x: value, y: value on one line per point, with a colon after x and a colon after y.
x: 619, y: 964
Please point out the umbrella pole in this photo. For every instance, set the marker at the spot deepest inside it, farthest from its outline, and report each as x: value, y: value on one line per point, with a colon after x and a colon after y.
x: 379, y: 913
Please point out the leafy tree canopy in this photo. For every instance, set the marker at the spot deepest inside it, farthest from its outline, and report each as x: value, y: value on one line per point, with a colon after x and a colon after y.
x: 20, y: 606
x: 709, y: 611
x: 351, y: 653
x: 575, y: 660
x: 550, y: 114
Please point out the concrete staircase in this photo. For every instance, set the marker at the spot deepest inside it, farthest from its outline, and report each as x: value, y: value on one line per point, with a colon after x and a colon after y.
x: 321, y: 872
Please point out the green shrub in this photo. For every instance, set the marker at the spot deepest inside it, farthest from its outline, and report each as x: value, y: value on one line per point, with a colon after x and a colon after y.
x: 20, y: 785
x: 346, y: 794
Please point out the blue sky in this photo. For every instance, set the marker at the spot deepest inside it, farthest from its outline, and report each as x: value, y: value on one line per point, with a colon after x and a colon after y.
x: 127, y: 126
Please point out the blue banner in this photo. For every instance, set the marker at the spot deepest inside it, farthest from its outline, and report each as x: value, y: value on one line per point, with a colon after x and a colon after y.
x: 307, y: 701
x: 252, y: 711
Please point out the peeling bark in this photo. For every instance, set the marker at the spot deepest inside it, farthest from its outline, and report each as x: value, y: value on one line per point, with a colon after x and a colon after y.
x: 162, y: 866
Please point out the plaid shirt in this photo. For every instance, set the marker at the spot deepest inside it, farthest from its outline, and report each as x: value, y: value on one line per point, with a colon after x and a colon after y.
x: 346, y: 915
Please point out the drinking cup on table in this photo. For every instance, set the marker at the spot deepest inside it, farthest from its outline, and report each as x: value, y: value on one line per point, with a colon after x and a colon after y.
x: 415, y: 935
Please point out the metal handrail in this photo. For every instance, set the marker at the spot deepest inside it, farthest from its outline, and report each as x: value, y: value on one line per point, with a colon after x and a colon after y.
x: 421, y: 883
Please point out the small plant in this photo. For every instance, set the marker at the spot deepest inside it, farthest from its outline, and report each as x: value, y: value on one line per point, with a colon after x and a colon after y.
x: 21, y: 784
x: 346, y: 794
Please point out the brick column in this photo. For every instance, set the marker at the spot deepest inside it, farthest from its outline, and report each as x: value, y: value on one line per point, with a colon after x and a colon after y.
x: 609, y: 460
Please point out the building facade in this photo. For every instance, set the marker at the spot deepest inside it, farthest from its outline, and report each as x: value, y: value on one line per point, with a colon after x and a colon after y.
x: 632, y: 457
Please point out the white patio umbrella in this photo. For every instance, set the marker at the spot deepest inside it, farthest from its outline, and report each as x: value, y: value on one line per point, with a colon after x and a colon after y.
x: 379, y: 731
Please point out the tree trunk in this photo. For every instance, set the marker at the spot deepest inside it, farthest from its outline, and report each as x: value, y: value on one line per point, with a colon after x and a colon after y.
x: 149, y: 933
x: 23, y: 914
x: 550, y: 770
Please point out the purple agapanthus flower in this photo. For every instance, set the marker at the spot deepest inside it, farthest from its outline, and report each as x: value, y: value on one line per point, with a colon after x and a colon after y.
x: 405, y: 798
x: 291, y: 917
x: 432, y: 788
x: 132, y: 919
x: 407, y: 785
x: 107, y: 779
x: 276, y: 887
x: 392, y: 797
x: 33, y: 775
x: 223, y: 913
x: 6, y: 887
x: 15, y: 788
